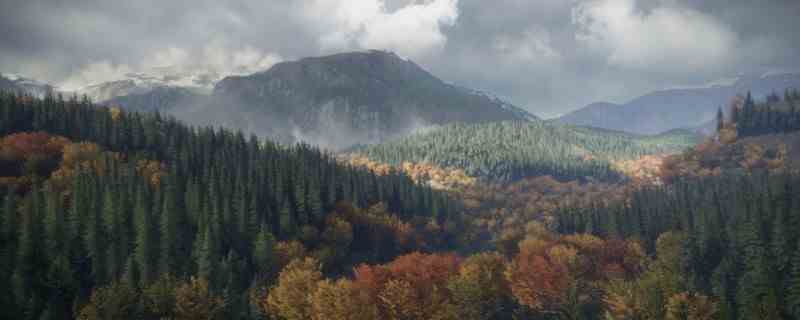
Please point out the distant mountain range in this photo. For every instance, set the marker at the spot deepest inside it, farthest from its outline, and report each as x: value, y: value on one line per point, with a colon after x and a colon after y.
x: 373, y: 96
x: 335, y: 101
x: 17, y: 83
x: 691, y: 108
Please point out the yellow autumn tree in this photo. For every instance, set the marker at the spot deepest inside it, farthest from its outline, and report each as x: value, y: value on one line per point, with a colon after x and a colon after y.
x: 341, y: 300
x: 291, y: 298
x: 194, y: 301
x: 116, y: 301
x: 480, y: 289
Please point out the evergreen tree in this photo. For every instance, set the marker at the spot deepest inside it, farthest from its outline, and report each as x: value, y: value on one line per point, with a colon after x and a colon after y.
x: 207, y: 257
x: 169, y: 231
x: 793, y: 288
x: 263, y: 252
x: 146, y: 247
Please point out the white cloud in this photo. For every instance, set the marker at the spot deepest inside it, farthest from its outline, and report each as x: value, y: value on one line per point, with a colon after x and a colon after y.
x: 532, y: 47
x: 413, y: 30
x: 97, y: 72
x: 213, y: 60
x: 669, y: 37
x: 166, y: 58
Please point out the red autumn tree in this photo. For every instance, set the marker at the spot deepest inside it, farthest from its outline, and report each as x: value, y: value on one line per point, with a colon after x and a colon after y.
x: 410, y: 286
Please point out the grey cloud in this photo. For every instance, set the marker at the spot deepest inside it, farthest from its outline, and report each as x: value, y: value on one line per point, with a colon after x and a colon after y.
x: 522, y: 49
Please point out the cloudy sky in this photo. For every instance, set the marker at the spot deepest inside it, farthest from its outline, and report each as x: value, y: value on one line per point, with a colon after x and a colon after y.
x: 549, y: 56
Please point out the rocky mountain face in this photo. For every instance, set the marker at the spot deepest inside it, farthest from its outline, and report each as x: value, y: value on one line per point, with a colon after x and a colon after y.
x: 16, y: 83
x: 334, y: 101
x: 677, y: 108
x: 361, y: 97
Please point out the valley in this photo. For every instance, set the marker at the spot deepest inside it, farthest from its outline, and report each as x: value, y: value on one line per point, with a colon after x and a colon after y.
x: 428, y: 200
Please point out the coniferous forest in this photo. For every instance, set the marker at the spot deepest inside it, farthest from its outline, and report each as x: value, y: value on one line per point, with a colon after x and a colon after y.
x: 110, y: 214
x: 509, y: 151
x: 399, y: 160
x: 97, y: 197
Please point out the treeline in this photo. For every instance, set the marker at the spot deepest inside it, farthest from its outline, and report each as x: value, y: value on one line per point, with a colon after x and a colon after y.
x: 742, y: 245
x: 775, y: 115
x: 508, y: 151
x: 97, y: 197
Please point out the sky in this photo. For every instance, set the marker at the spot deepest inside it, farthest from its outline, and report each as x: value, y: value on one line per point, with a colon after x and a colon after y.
x: 547, y: 56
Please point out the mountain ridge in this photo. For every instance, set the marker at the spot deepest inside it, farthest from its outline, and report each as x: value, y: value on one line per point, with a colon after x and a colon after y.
x: 662, y: 110
x: 334, y: 101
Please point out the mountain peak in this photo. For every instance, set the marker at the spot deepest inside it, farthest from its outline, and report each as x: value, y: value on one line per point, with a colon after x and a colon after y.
x: 361, y: 97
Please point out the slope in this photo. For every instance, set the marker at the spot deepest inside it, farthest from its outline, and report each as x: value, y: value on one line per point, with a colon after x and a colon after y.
x: 507, y: 151
x: 676, y: 108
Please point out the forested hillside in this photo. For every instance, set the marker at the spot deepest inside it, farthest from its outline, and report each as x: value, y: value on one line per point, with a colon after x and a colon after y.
x: 163, y: 214
x: 508, y: 151
x: 109, y: 214
x: 735, y: 200
x: 775, y: 115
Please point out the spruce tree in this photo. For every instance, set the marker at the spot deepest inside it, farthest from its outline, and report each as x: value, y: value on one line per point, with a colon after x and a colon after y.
x: 97, y: 241
x: 206, y: 256
x: 117, y: 248
x: 146, y: 248
x: 756, y: 296
x: 8, y: 248
x: 263, y: 252
x: 793, y: 287
x: 169, y: 231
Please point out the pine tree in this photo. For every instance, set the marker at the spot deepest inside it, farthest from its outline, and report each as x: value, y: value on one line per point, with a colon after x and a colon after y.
x: 97, y: 244
x: 756, y: 296
x: 263, y: 252
x: 206, y: 256
x: 300, y: 204
x: 55, y: 224
x: 314, y: 203
x: 793, y: 287
x: 132, y: 274
x: 169, y: 231
x: 10, y: 226
x: 29, y: 258
x: 146, y: 248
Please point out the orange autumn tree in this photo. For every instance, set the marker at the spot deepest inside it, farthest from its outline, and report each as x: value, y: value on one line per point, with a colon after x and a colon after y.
x: 413, y: 286
x: 36, y: 153
x: 561, y: 275
x: 77, y: 157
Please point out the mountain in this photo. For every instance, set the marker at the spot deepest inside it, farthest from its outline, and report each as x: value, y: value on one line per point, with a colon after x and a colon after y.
x: 676, y: 108
x: 17, y: 83
x: 157, y: 98
x: 359, y: 97
x: 508, y: 151
x: 333, y: 101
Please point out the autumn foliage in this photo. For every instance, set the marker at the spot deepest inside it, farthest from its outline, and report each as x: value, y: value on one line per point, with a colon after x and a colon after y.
x: 551, y: 274
x: 27, y: 154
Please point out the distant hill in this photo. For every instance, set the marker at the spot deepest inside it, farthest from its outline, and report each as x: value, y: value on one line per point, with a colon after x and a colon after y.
x: 359, y: 97
x: 334, y: 101
x: 509, y: 151
x: 676, y: 108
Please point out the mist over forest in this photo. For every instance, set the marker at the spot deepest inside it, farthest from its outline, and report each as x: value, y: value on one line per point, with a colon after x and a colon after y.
x: 400, y: 159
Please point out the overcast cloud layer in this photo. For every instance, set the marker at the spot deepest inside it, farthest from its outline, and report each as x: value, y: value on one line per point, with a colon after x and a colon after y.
x: 549, y: 56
